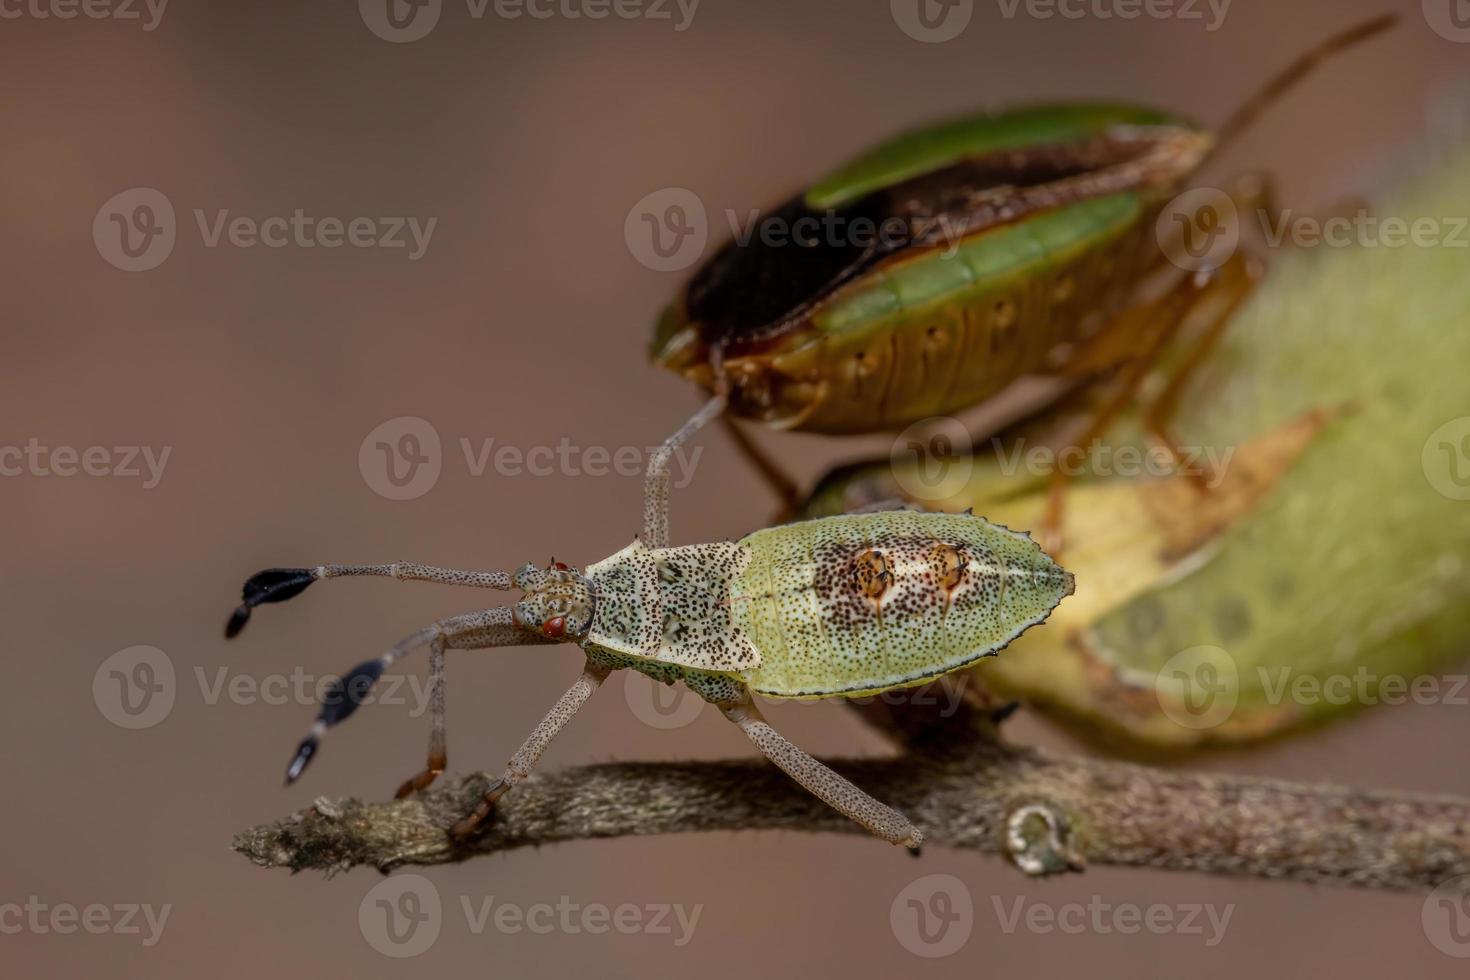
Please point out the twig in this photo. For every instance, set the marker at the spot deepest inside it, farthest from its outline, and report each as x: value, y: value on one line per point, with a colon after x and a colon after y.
x: 957, y: 780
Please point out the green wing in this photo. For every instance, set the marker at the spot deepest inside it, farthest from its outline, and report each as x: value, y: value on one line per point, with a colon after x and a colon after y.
x: 922, y: 151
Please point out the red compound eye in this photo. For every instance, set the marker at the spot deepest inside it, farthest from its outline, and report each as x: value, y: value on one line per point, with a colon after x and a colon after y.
x: 556, y: 626
x: 560, y: 566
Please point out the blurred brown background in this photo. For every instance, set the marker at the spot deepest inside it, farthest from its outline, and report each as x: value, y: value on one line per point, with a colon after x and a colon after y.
x: 264, y: 369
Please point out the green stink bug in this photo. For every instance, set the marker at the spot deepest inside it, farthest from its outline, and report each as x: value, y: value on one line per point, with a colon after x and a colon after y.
x: 994, y: 247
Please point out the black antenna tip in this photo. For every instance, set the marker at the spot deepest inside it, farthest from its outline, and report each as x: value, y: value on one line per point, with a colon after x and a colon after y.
x: 304, y: 752
x: 237, y: 622
x: 271, y: 585
x: 345, y: 695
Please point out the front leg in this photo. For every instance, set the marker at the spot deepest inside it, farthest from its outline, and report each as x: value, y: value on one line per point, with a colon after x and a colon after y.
x: 529, y: 754
x: 656, y: 480
x: 480, y: 639
x: 438, y: 747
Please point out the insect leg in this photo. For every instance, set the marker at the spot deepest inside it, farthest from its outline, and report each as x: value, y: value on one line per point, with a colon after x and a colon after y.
x: 1147, y: 330
x: 347, y: 693
x: 529, y: 754
x: 438, y: 748
x: 280, y: 584
x: 656, y: 479
x: 438, y: 756
x: 1235, y: 281
x: 834, y: 790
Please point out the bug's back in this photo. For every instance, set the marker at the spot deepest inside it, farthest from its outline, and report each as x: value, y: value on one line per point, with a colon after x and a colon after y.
x: 868, y: 602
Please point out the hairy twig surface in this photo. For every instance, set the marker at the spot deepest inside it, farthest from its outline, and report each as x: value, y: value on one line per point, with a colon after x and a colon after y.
x: 959, y: 781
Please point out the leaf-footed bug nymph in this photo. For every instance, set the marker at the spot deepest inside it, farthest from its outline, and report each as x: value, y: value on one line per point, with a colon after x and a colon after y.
x: 849, y: 606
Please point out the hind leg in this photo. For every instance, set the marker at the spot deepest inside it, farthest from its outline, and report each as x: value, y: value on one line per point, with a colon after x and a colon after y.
x: 822, y: 782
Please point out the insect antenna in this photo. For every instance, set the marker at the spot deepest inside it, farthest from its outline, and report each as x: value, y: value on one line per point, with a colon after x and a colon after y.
x: 493, y: 627
x: 280, y: 584
x: 271, y: 585
x: 1244, y: 116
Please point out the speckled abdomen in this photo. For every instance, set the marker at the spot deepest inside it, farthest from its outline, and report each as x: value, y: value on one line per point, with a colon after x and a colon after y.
x: 864, y: 603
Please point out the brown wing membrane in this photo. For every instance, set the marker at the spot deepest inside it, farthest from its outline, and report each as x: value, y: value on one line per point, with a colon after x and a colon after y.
x: 767, y: 280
